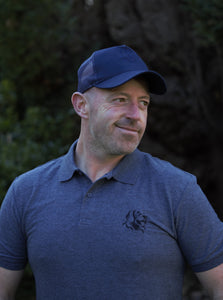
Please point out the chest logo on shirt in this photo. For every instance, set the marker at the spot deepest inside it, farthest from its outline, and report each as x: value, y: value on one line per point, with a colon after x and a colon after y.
x: 135, y: 220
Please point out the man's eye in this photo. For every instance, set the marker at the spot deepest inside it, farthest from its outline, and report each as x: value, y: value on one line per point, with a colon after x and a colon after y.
x: 145, y: 103
x: 120, y: 100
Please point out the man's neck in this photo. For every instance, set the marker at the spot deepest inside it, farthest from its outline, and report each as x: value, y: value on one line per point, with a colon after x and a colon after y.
x: 94, y: 166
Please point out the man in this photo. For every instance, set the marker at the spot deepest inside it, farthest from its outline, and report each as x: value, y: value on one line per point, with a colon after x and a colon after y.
x: 107, y: 221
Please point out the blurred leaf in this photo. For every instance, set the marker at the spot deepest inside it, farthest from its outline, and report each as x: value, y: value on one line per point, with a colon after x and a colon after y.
x: 207, y: 16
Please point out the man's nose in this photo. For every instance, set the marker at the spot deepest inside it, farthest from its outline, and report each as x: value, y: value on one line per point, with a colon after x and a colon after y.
x: 133, y: 111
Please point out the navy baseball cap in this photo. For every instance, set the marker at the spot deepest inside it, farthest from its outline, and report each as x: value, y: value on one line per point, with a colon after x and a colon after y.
x: 111, y: 67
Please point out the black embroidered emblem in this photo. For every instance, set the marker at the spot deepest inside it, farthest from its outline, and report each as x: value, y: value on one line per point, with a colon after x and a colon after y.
x: 135, y: 220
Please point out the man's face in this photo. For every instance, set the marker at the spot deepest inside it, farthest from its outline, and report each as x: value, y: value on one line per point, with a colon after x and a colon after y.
x: 117, y: 118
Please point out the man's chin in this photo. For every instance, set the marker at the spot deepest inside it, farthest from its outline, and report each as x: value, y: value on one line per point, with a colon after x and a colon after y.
x: 127, y: 148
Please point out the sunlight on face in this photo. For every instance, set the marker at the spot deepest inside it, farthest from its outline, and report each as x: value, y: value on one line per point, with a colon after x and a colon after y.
x: 117, y: 118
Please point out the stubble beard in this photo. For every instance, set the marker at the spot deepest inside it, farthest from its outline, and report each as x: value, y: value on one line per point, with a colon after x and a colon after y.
x: 112, y: 145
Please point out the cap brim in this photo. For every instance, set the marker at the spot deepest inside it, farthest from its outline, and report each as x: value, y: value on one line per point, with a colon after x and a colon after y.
x: 156, y: 83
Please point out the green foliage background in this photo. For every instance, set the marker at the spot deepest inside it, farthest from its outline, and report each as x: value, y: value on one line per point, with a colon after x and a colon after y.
x: 207, y: 16
x: 37, y: 67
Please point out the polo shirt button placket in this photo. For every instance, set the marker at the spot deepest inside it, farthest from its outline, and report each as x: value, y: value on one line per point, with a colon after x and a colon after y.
x: 85, y: 215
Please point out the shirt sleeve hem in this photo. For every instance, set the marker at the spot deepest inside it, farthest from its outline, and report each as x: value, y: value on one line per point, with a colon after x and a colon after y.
x: 208, y: 265
x: 9, y: 264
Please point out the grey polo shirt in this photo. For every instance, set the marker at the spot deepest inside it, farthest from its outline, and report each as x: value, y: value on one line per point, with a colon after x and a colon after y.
x: 126, y: 236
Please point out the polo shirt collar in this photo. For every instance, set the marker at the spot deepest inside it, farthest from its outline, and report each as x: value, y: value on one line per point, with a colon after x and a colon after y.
x: 126, y: 171
x: 68, y: 166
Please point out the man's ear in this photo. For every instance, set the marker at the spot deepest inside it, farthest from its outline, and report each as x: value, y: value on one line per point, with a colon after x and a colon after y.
x: 80, y: 104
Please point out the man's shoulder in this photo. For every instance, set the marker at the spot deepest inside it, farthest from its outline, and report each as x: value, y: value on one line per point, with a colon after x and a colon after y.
x: 162, y: 168
x: 55, y: 169
x: 42, y: 173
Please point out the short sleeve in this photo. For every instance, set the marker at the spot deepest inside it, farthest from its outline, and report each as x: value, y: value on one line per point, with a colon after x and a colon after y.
x: 13, y: 254
x: 199, y: 230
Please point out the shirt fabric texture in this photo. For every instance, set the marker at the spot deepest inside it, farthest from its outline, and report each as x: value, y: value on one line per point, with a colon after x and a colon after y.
x: 126, y: 236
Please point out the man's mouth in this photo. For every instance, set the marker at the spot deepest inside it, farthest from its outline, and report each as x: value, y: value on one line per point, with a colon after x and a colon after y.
x: 128, y: 129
